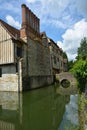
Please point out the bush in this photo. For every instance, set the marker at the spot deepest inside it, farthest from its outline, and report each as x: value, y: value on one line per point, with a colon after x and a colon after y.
x: 80, y: 71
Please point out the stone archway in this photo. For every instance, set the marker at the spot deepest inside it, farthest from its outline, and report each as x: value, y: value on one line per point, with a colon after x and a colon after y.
x: 66, y: 77
x: 65, y: 83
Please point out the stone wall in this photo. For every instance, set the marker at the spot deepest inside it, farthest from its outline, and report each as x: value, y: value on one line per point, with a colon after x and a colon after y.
x: 36, y: 64
x: 33, y: 82
x: 38, y: 58
x: 39, y: 66
x: 9, y: 78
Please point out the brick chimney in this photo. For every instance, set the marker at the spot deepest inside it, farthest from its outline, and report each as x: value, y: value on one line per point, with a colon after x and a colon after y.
x: 30, y: 23
x: 24, y: 15
x: 23, y: 31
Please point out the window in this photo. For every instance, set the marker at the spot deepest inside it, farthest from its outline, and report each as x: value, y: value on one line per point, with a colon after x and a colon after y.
x: 0, y: 72
x: 58, y: 59
x: 19, y: 51
x: 55, y: 60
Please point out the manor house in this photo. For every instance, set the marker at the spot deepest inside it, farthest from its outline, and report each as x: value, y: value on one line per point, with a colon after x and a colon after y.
x: 28, y: 57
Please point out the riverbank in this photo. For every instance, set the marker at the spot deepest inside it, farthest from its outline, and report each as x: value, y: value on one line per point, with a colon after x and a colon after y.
x: 82, y: 103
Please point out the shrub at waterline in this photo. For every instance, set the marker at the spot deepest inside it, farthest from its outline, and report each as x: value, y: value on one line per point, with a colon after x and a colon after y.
x: 80, y: 71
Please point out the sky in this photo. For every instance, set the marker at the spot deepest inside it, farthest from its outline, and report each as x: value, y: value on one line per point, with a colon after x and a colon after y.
x: 70, y: 117
x: 64, y: 21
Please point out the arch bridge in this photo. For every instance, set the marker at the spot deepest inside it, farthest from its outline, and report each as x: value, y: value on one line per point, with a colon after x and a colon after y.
x: 66, y: 76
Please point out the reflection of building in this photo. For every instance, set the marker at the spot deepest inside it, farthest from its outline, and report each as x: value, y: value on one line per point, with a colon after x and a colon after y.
x: 6, y: 126
x: 25, y: 59
x: 10, y: 110
x: 42, y: 109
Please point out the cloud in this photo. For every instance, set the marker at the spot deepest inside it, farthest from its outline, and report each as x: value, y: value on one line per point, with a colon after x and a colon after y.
x: 56, y: 13
x: 82, y: 7
x: 9, y: 6
x: 12, y: 21
x: 53, y: 7
x: 31, y: 1
x: 72, y: 110
x: 51, y: 12
x: 72, y: 38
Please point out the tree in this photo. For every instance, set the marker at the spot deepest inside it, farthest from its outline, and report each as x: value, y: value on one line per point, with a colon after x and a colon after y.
x: 65, y: 55
x: 70, y: 64
x: 80, y: 65
x: 82, y: 50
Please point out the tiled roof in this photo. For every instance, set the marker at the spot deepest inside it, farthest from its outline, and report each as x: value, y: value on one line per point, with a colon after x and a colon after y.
x: 15, y: 33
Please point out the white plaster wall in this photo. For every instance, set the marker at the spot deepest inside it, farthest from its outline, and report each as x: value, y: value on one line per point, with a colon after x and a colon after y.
x: 9, y: 79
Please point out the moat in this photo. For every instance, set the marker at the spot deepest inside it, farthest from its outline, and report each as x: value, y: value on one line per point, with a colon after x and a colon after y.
x: 40, y: 109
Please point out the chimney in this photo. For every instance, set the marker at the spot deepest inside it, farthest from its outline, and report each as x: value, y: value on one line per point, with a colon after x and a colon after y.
x: 24, y: 15
x: 23, y: 31
x: 30, y: 23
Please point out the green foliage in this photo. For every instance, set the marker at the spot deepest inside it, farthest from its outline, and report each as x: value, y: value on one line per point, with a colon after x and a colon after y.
x: 82, y: 50
x: 80, y: 71
x: 82, y: 104
x: 70, y: 64
x: 65, y: 55
x: 72, y: 128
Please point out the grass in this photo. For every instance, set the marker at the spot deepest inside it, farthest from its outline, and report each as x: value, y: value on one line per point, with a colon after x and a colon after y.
x: 82, y: 104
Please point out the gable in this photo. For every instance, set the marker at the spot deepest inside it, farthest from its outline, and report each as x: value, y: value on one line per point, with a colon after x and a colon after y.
x: 4, y: 35
x: 6, y: 47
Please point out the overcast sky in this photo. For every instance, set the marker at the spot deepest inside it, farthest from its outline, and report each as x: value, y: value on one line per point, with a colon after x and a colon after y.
x: 64, y: 21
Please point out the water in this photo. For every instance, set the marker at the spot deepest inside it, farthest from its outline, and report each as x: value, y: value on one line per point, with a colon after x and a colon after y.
x: 41, y: 109
x: 70, y: 117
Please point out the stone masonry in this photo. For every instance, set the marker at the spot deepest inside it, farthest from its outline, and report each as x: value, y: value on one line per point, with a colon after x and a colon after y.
x: 25, y: 56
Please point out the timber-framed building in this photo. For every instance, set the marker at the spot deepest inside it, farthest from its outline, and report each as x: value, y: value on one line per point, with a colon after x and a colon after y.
x: 26, y: 55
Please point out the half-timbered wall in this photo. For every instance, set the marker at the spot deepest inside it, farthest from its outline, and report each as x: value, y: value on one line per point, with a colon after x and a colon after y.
x: 6, y: 47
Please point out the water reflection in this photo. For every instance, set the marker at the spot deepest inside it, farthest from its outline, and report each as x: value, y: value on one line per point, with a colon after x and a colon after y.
x: 41, y: 109
x: 70, y: 117
x: 10, y: 110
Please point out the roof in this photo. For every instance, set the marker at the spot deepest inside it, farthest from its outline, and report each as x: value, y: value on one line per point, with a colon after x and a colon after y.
x: 15, y: 33
x: 51, y: 41
x: 43, y: 34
